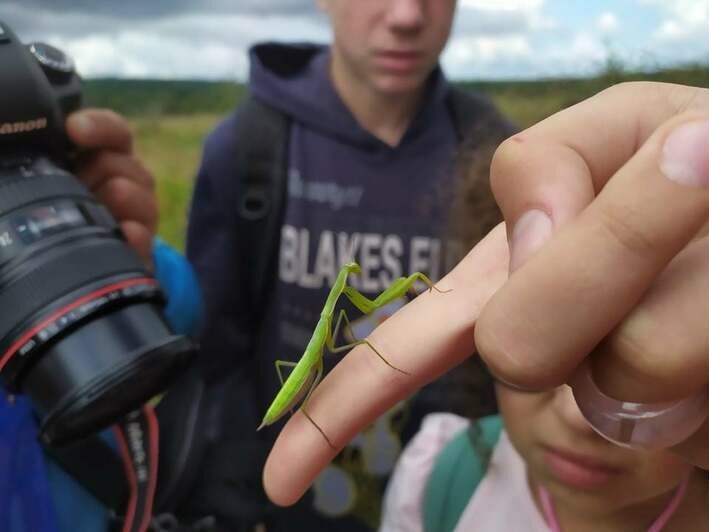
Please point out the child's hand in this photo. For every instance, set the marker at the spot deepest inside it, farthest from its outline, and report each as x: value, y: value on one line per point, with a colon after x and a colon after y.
x: 585, y: 285
x: 108, y: 167
x: 625, y: 178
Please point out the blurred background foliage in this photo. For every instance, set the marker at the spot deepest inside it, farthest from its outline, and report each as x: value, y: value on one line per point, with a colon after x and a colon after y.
x: 172, y: 118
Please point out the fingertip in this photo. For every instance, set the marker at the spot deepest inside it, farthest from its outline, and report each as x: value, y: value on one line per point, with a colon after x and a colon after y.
x: 276, y: 491
x: 100, y: 128
x: 298, y: 456
x: 79, y: 126
x: 281, y: 481
x: 139, y: 238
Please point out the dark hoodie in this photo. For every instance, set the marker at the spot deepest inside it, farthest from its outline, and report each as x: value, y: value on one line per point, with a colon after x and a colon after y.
x: 350, y: 197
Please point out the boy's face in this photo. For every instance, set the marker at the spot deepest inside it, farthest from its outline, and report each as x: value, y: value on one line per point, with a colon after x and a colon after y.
x: 390, y: 45
x: 578, y: 467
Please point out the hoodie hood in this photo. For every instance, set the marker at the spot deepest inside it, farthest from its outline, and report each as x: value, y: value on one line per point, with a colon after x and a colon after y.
x: 295, y: 79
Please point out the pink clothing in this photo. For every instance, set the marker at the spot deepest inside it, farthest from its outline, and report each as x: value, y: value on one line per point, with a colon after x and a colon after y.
x: 502, y: 500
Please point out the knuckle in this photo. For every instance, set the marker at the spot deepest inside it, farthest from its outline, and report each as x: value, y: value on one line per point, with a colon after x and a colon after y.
x: 513, y: 364
x: 625, y: 228
x: 687, y: 99
x: 636, y: 356
x: 630, y: 88
x: 119, y: 190
x: 506, y: 162
x: 117, y: 120
x: 102, y: 162
x: 115, y: 126
x: 652, y: 351
x: 147, y: 176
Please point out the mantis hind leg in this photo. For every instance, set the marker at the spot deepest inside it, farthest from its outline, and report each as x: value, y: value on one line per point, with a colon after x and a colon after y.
x: 331, y: 343
x: 286, y: 363
x: 316, y: 381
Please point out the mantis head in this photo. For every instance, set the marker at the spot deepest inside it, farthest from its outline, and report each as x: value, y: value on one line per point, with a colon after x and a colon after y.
x: 352, y: 267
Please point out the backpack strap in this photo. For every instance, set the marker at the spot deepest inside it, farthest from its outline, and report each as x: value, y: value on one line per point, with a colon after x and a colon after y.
x: 223, y: 478
x: 456, y: 473
x: 261, y: 155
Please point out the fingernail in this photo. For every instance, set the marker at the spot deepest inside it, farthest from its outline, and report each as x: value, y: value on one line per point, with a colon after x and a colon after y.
x: 82, y: 124
x: 685, y: 156
x: 529, y: 234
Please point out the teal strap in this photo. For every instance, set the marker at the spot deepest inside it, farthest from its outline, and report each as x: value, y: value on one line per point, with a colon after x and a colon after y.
x: 456, y: 473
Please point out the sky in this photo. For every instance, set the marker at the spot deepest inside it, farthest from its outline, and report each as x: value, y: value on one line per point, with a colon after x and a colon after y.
x: 492, y: 39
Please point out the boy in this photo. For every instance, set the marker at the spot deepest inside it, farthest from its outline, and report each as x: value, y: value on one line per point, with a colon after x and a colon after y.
x: 369, y: 162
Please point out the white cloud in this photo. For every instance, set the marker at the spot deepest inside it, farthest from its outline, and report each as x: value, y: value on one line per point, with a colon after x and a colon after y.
x: 508, y: 5
x: 608, y: 22
x: 202, y: 46
x: 681, y: 35
x: 210, y: 38
x: 501, y: 39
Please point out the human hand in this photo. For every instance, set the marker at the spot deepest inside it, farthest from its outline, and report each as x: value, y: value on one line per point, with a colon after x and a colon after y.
x: 107, y: 166
x: 602, y: 274
x: 428, y: 336
x: 617, y: 191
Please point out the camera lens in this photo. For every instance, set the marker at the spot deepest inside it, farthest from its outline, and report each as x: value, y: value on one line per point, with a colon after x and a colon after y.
x: 85, y: 337
x: 81, y: 324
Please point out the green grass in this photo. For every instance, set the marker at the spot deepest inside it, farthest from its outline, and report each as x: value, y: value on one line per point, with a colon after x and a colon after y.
x: 170, y: 146
x: 171, y: 119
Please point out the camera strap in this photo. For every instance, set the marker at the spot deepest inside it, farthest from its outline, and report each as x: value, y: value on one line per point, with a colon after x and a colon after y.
x: 95, y: 465
x: 137, y: 437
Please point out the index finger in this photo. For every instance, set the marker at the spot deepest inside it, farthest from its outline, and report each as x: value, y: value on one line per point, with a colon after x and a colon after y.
x: 428, y: 336
x: 93, y: 129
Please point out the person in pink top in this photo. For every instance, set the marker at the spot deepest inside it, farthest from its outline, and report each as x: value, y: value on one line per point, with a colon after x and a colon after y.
x: 548, y: 471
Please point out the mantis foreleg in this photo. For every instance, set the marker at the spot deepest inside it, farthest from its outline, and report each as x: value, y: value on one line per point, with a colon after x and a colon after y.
x: 397, y: 289
x: 308, y: 371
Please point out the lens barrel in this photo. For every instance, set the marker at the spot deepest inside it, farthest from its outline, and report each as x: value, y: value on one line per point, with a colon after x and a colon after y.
x: 84, y: 334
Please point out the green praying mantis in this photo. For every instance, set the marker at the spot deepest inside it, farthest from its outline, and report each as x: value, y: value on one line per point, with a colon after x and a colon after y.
x: 307, y: 372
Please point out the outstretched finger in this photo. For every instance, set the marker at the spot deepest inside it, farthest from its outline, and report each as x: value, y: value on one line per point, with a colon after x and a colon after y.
x: 428, y: 336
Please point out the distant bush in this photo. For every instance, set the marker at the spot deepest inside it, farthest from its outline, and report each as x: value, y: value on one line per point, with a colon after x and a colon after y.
x: 525, y: 101
x: 172, y: 118
x: 158, y: 97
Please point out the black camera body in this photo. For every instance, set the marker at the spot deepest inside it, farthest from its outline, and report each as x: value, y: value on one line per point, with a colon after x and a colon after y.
x: 40, y: 87
x: 81, y: 324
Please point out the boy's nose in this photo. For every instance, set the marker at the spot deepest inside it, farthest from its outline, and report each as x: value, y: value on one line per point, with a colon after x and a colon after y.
x: 565, y: 406
x: 406, y: 15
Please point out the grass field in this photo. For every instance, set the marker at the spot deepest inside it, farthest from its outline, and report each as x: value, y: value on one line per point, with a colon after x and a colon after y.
x: 170, y: 146
x: 171, y: 119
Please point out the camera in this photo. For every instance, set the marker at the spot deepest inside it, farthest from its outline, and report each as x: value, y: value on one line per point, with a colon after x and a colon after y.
x: 81, y: 326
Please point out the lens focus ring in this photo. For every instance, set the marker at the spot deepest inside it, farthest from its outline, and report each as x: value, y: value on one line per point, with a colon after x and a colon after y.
x: 69, y: 267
